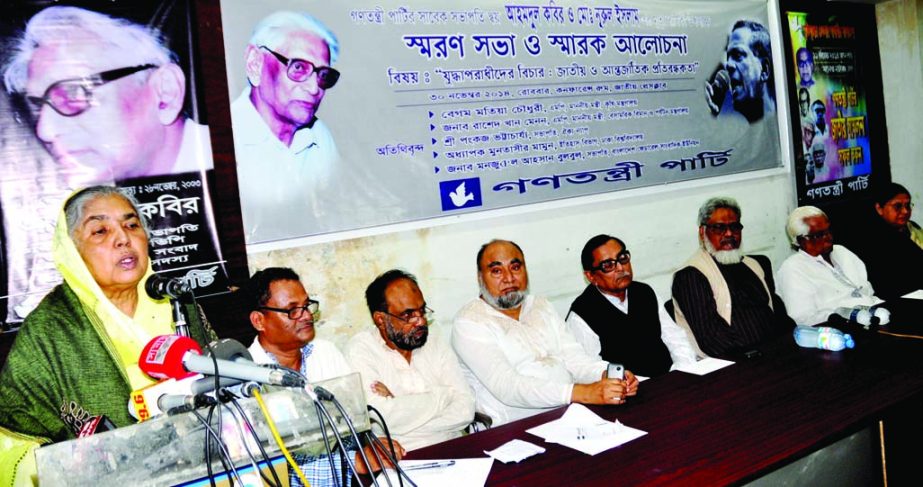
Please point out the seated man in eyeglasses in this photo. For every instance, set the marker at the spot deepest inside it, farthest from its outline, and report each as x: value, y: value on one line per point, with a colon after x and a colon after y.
x: 283, y: 315
x: 820, y: 277
x: 106, y: 96
x: 413, y: 378
x: 642, y: 337
x: 724, y: 300
x: 285, y: 154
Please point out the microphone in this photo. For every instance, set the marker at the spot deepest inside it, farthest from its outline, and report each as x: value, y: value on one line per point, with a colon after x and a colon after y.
x: 159, y: 287
x: 146, y: 403
x: 229, y: 349
x: 184, y: 402
x: 174, y: 356
x: 720, y: 85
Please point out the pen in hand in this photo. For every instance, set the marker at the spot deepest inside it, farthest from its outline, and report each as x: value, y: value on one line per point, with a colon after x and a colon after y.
x: 424, y: 466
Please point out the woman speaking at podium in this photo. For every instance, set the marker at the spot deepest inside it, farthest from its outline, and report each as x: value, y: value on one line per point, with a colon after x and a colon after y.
x: 75, y: 358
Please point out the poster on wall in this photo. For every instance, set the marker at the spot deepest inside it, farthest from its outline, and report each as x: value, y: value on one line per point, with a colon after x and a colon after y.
x: 835, y: 122
x: 101, y: 92
x: 349, y: 115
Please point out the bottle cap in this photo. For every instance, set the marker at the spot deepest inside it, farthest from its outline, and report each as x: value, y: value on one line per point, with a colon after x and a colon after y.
x: 850, y: 343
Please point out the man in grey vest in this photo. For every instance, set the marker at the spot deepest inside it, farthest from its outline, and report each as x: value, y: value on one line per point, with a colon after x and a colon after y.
x: 724, y: 300
x: 642, y: 337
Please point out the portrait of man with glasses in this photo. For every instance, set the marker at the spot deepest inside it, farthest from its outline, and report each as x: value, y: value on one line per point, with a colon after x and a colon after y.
x: 412, y: 376
x: 105, y: 97
x: 98, y: 97
x: 724, y: 300
x: 640, y: 336
x: 286, y: 156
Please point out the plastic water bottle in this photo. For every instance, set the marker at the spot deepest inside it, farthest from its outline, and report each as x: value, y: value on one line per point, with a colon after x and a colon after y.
x: 863, y: 315
x: 883, y: 315
x: 823, y: 337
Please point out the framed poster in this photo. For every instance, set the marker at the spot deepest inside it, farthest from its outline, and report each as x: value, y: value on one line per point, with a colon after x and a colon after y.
x: 118, y: 102
x: 835, y: 100
x: 441, y: 109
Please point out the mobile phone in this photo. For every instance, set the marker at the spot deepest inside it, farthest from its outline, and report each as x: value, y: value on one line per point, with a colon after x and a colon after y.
x: 616, y: 371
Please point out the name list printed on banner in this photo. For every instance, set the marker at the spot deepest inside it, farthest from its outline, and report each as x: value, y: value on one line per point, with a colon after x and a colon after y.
x: 475, y: 136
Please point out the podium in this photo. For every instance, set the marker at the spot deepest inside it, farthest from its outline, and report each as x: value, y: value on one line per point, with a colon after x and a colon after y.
x: 169, y: 450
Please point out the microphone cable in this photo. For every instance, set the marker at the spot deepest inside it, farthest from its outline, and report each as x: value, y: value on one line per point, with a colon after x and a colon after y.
x: 316, y: 395
x: 275, y: 434
x: 224, y: 456
x: 324, y: 393
x: 240, y: 434
x: 323, y: 431
x: 384, y: 425
x: 259, y: 444
x: 393, y: 458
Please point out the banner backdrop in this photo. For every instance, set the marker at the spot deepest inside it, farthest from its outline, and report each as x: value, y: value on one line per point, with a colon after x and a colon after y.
x: 834, y: 157
x: 113, y: 104
x: 440, y: 110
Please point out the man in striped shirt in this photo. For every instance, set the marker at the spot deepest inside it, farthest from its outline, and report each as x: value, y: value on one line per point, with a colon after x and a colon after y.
x: 724, y: 300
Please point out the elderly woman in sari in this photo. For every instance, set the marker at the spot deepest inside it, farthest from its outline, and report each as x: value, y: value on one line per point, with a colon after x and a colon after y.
x: 76, y: 356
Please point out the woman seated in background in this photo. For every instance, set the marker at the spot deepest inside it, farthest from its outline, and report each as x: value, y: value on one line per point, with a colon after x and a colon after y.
x: 76, y: 356
x: 891, y: 245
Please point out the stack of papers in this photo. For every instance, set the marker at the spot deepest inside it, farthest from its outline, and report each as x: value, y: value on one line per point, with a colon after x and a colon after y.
x: 581, y: 429
x: 462, y: 472
x: 704, y: 366
x: 515, y: 451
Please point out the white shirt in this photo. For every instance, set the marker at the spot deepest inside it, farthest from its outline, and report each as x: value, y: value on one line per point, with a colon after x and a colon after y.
x: 519, y: 368
x: 432, y: 401
x: 671, y: 334
x: 283, y: 190
x: 325, y: 361
x: 812, y: 289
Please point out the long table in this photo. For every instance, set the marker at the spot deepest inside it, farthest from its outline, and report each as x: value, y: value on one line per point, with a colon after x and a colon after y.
x: 727, y: 427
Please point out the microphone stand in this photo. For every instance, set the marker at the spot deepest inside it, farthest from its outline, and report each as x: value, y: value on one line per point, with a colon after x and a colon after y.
x: 179, y: 318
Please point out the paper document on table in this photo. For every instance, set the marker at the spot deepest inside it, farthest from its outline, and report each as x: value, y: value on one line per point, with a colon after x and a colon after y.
x: 462, y: 472
x: 581, y: 429
x: 705, y: 366
x: 918, y: 294
x: 515, y: 451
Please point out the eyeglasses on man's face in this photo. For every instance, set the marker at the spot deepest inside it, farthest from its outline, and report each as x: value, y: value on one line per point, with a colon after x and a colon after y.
x: 71, y: 97
x: 297, y: 312
x: 608, y: 265
x: 299, y: 70
x: 722, y: 228
x: 818, y: 235
x: 420, y: 314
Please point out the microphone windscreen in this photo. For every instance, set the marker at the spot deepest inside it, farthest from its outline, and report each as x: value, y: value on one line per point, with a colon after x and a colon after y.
x: 229, y: 349
x: 162, y: 357
x: 158, y: 287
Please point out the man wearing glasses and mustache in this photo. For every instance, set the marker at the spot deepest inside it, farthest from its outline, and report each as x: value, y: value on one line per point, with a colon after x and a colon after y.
x: 724, y: 300
x: 106, y: 97
x: 285, y: 154
x: 642, y: 337
x: 413, y: 378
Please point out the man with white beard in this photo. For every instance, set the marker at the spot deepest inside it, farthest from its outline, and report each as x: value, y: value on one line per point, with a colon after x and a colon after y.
x: 516, y: 351
x: 724, y: 300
